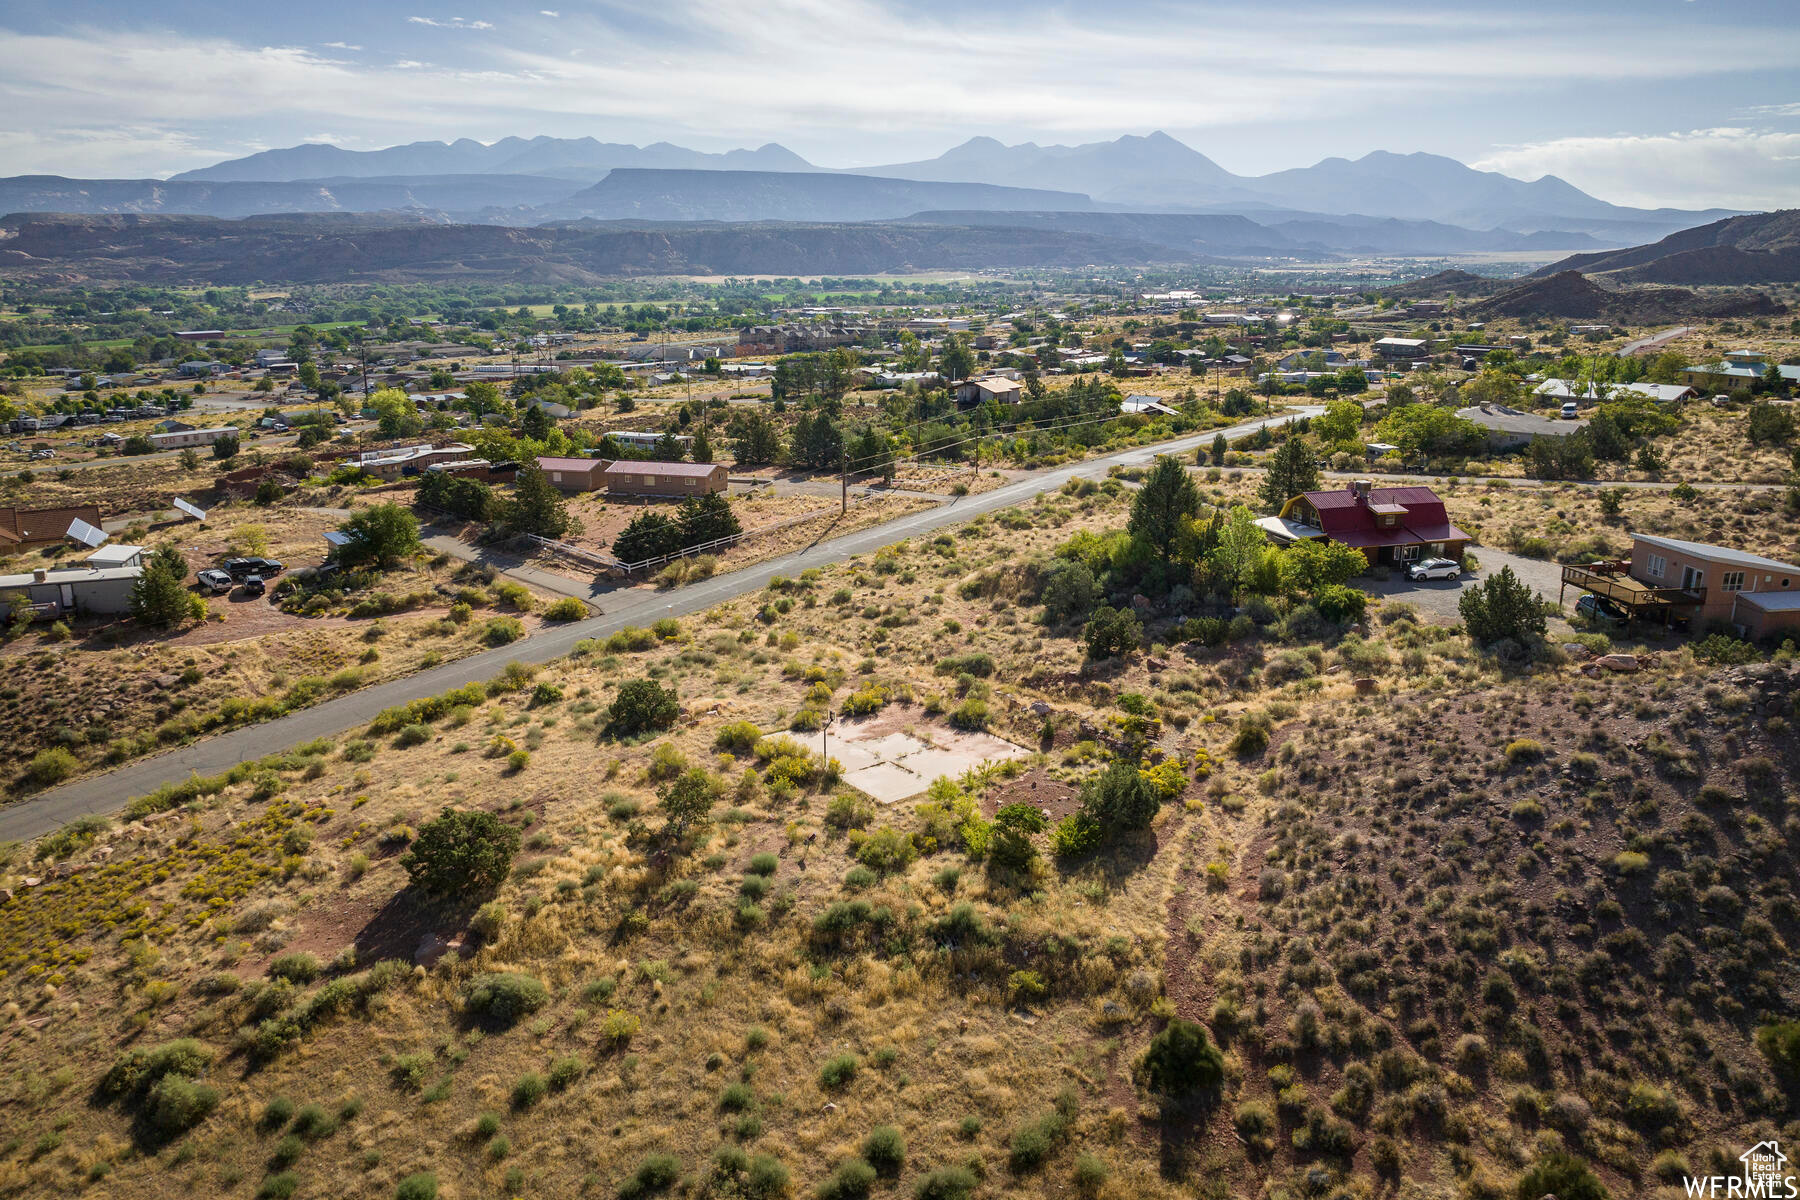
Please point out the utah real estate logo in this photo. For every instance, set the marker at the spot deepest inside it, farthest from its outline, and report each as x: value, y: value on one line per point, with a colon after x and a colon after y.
x: 1765, y: 1177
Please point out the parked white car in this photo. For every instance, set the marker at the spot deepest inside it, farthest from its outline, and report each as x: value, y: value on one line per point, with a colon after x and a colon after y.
x: 1434, y: 568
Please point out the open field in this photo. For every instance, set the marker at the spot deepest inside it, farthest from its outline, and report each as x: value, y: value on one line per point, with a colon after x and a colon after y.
x: 1440, y: 918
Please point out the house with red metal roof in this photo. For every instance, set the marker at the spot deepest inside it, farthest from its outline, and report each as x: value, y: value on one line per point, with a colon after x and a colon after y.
x: 1392, y: 525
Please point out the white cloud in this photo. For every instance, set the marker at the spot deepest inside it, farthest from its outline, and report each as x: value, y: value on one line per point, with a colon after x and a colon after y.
x: 1700, y: 168
x: 863, y: 76
x: 548, y: 12
x: 341, y: 46
x: 451, y: 23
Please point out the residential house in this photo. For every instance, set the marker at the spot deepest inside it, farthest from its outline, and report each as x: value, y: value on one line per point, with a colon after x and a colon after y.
x: 1670, y: 579
x: 1508, y: 428
x: 1315, y: 360
x: 69, y: 591
x: 1740, y: 368
x: 643, y: 439
x: 108, y: 558
x: 627, y: 478
x: 1147, y: 405
x: 575, y: 474
x: 994, y: 388
x: 1560, y: 391
x: 1394, y: 347
x: 32, y: 528
x: 1391, y: 525
x: 399, y: 461
x: 176, y: 439
x: 200, y: 369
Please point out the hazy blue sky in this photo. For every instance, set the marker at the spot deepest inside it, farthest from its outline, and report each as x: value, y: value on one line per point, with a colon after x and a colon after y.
x: 1639, y: 101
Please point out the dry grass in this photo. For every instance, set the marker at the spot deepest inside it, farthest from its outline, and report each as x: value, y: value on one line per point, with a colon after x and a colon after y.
x: 1392, y: 822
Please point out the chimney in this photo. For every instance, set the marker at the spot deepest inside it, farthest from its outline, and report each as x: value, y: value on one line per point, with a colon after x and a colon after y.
x: 40, y: 575
x: 1360, y: 489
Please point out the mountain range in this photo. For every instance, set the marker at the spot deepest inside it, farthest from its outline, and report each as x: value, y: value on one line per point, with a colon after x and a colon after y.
x: 1155, y: 172
x: 1759, y: 248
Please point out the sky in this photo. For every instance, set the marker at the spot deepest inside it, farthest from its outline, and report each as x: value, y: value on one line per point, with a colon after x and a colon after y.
x: 1684, y: 103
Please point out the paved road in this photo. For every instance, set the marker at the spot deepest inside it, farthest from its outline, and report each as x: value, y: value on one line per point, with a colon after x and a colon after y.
x: 107, y: 793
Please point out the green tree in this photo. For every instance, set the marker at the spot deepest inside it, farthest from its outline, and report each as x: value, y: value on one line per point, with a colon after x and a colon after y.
x: 686, y: 801
x: 225, y: 446
x: 1502, y: 606
x: 706, y: 518
x: 1340, y: 422
x: 818, y: 444
x: 1119, y: 799
x: 1164, y: 505
x: 1013, y: 826
x: 1241, y: 543
x: 189, y: 459
x: 461, y: 852
x: 1313, y: 564
x: 1770, y: 425
x: 649, y: 535
x: 536, y: 506
x: 756, y: 441
x: 643, y: 704
x: 395, y: 413
x: 701, y: 450
x: 1111, y: 632
x: 381, y: 534
x: 535, y: 423
x: 1292, y: 470
x: 160, y: 596
x: 1220, y: 448
x: 956, y: 361
x: 1181, y: 1060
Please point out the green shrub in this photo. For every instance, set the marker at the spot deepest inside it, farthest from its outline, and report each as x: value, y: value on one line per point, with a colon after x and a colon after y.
x: 278, y: 1186
x: 1181, y: 1060
x: 175, y: 1104
x: 137, y: 1071
x: 971, y: 714
x: 51, y: 766
x: 656, y: 1173
x: 565, y: 1071
x: 838, y: 1071
x: 1091, y: 1174
x: 1780, y: 1044
x: 852, y: 1180
x: 530, y: 1088
x: 739, y: 737
x: 566, y: 609
x: 461, y: 852
x: 502, y: 631
x: 946, y: 1183
x: 885, y: 1150
x: 1562, y: 1175
x: 422, y: 1186
x: 1034, y: 1141
x: 298, y: 967
x: 641, y: 705
x: 503, y: 997
x: 313, y: 1122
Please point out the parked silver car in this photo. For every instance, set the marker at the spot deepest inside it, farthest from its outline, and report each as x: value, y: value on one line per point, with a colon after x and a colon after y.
x: 1434, y: 568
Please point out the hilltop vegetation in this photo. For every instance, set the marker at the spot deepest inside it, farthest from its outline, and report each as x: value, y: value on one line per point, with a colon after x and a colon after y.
x: 1279, y: 900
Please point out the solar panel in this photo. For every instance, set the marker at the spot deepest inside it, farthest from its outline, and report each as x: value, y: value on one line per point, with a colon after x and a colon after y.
x: 199, y: 514
x: 86, y: 534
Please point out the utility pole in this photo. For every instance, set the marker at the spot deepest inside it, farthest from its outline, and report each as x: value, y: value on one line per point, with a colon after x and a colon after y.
x: 843, y: 479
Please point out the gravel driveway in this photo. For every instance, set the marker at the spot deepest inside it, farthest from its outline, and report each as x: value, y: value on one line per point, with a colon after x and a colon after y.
x: 1436, y: 598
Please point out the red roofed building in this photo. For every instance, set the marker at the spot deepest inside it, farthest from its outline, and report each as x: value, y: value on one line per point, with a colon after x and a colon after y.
x: 1392, y: 525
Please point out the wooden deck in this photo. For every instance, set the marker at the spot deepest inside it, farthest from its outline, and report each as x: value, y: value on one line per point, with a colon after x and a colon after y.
x: 1613, y: 581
